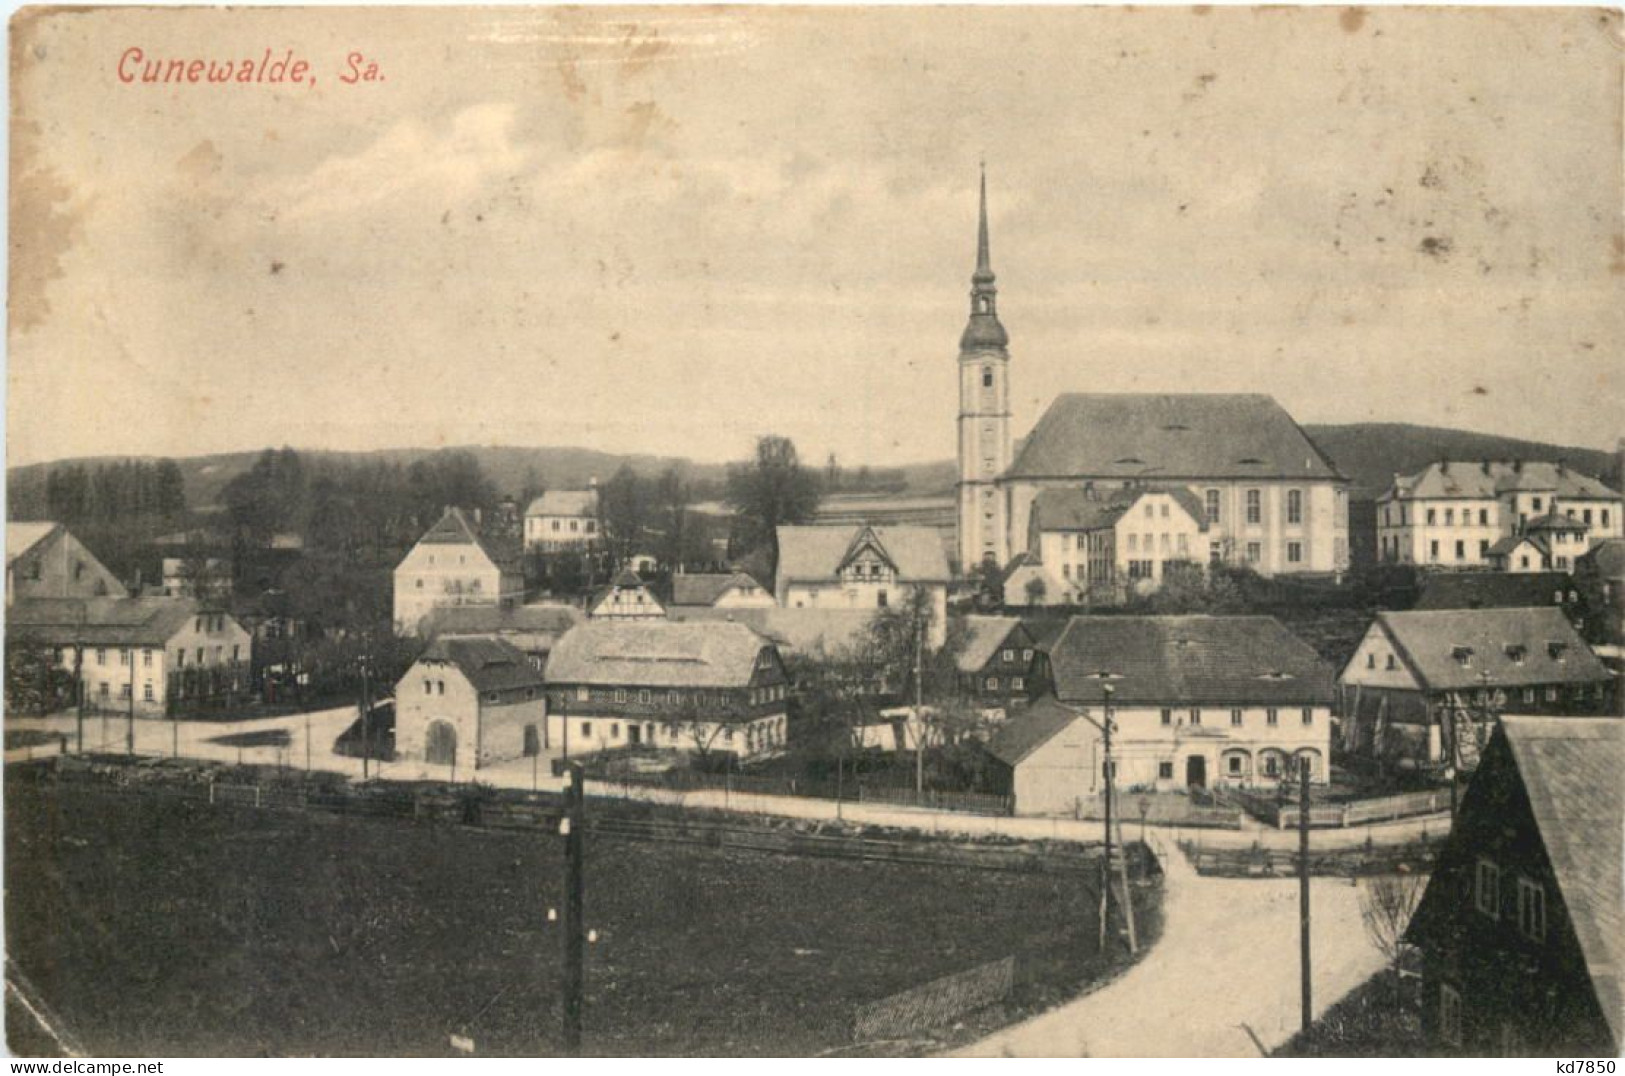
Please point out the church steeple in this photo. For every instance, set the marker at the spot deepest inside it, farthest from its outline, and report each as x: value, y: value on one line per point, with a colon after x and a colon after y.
x: 983, y: 331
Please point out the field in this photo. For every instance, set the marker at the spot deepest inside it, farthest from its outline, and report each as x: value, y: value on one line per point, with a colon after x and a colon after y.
x: 157, y: 926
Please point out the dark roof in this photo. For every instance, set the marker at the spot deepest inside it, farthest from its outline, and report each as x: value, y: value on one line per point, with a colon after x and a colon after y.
x: 626, y: 577
x: 1606, y: 558
x: 821, y: 633
x: 1169, y: 436
x: 455, y: 528
x: 1571, y: 770
x: 581, y: 503
x: 1493, y: 590
x: 1554, y: 522
x: 101, y: 621
x: 1029, y: 729
x: 1505, y: 546
x: 704, y: 588
x: 1085, y: 509
x: 489, y: 664
x: 1512, y: 645
x: 481, y: 619
x: 984, y: 635
x: 1485, y: 479
x: 1163, y: 660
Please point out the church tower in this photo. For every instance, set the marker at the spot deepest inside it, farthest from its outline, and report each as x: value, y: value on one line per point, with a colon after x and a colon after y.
x: 984, y: 416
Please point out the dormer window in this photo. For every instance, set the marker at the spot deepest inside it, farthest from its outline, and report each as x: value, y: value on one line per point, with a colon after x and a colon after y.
x: 1463, y: 655
x: 1557, y: 650
x: 1516, y: 654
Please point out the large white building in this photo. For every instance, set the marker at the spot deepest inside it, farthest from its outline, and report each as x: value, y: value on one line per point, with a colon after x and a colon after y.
x: 563, y: 520
x: 451, y: 565
x: 1105, y: 545
x: 863, y: 567
x: 1513, y: 515
x: 1272, y: 500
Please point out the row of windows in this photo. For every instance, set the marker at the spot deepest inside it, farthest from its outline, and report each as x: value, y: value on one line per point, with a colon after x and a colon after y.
x: 1272, y: 762
x: 1433, y: 515
x: 1531, y: 899
x: 767, y: 735
x: 1017, y: 683
x: 587, y: 526
x: 1272, y: 716
x: 674, y: 697
x: 1255, y: 506
x: 105, y: 690
x: 1010, y: 654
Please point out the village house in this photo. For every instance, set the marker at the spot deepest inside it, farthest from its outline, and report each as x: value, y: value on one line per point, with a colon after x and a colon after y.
x: 627, y: 597
x: 563, y: 520
x: 1109, y: 544
x: 709, y: 687
x: 720, y: 590
x: 451, y: 565
x: 44, y: 560
x: 1195, y: 701
x: 534, y: 629
x: 206, y: 578
x: 1424, y: 687
x: 1520, y: 928
x: 146, y: 654
x: 1514, y: 515
x: 1001, y: 666
x: 1600, y: 578
x: 864, y: 567
x: 471, y: 703
x: 1504, y: 590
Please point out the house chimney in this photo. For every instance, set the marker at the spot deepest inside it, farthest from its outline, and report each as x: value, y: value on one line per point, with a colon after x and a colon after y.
x: 1486, y: 466
x: 1517, y: 466
x: 1562, y: 466
x: 592, y: 483
x: 1444, y: 466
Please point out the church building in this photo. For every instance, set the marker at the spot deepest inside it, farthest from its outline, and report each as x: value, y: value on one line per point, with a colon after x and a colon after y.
x: 1270, y: 499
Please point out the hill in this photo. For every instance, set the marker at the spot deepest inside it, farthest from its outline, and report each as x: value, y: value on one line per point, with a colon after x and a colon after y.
x: 1371, y: 453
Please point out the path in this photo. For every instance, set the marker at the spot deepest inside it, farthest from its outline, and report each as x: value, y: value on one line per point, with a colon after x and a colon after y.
x: 1227, y: 961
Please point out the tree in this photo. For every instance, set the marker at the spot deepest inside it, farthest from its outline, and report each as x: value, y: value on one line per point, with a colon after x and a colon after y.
x: 1387, y: 903
x: 36, y: 683
x: 1037, y: 590
x: 771, y: 491
x: 623, y: 511
x: 669, y: 506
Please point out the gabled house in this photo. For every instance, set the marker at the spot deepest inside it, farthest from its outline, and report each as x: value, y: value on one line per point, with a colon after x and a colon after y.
x: 627, y: 597
x: 1518, y: 553
x: 1001, y: 666
x: 1522, y: 925
x: 703, y: 686
x: 1424, y: 687
x: 1600, y: 578
x: 44, y: 560
x: 533, y: 629
x: 452, y: 565
x: 1027, y: 583
x: 1108, y: 543
x: 149, y: 655
x: 471, y: 703
x: 1562, y: 538
x: 863, y: 567
x: 719, y: 590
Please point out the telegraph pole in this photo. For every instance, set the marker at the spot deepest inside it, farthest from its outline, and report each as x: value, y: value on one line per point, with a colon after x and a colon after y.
x: 1303, y: 886
x: 366, y: 721
x: 1106, y: 864
x: 575, y: 794
x: 919, y: 720
x: 79, y: 688
x: 129, y: 732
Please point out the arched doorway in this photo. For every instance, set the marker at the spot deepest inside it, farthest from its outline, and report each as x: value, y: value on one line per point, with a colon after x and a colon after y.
x: 1196, y: 771
x: 440, y: 748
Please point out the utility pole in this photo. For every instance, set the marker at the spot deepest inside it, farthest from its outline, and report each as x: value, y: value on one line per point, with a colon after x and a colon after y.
x: 1106, y: 864
x: 919, y: 719
x: 307, y: 741
x: 79, y: 688
x: 1303, y: 887
x: 129, y: 732
x: 366, y: 721
x: 575, y: 795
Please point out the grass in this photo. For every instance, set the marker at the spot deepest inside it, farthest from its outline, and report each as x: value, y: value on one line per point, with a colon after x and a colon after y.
x: 158, y: 926
x: 29, y: 738
x: 1379, y: 1018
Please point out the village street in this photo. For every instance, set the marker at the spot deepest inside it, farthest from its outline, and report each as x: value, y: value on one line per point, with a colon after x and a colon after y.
x: 1226, y: 965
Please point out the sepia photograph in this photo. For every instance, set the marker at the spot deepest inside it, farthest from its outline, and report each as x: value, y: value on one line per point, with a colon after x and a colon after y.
x: 864, y: 532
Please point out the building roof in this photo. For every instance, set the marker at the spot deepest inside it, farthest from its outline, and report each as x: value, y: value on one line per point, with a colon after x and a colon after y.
x: 454, y: 528
x: 1175, y: 660
x: 1508, y: 545
x: 657, y: 653
x: 705, y: 588
x: 1029, y: 729
x: 1131, y: 435
x: 1493, y: 590
x: 983, y: 637
x: 1606, y: 558
x: 101, y: 621
x: 1087, y: 509
x: 1514, y: 646
x: 21, y: 537
x: 1571, y: 772
x: 1486, y: 479
x: 816, y: 554
x: 451, y: 620
x: 565, y: 502
x: 1554, y: 522
x: 489, y: 664
x: 824, y: 633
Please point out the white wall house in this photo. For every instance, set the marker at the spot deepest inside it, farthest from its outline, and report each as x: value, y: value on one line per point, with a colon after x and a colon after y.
x: 720, y: 590
x: 450, y: 565
x: 627, y: 597
x: 471, y: 703
x: 139, y: 649
x: 45, y: 560
x: 863, y: 567
x: 1196, y: 702
x: 1461, y: 514
x: 1106, y: 545
x: 702, y: 686
x: 563, y: 520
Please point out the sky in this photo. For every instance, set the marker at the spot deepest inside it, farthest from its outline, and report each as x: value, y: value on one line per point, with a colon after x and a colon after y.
x: 669, y: 230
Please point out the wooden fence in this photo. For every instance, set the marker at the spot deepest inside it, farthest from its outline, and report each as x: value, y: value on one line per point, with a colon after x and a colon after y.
x: 1258, y: 862
x: 853, y: 790
x: 935, y: 1003
x: 1359, y: 812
